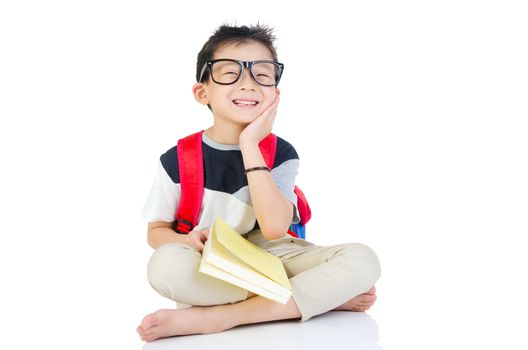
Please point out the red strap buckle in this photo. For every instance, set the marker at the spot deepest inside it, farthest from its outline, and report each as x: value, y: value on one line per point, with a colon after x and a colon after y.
x: 184, y: 226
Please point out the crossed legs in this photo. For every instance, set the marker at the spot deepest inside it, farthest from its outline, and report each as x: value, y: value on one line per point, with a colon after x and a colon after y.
x: 217, y: 318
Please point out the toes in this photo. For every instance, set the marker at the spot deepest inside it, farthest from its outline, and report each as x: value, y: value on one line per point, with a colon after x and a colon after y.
x: 359, y: 309
x: 142, y: 333
x: 148, y: 321
x: 369, y: 298
x: 368, y: 302
x: 148, y: 336
x: 151, y: 336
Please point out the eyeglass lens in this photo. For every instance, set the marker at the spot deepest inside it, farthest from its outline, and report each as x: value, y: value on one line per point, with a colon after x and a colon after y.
x: 227, y: 72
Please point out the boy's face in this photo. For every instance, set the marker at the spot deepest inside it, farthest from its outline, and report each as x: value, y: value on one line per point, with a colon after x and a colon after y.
x: 243, y: 101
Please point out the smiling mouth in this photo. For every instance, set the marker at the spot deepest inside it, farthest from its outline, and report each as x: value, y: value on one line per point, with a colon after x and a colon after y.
x: 245, y: 103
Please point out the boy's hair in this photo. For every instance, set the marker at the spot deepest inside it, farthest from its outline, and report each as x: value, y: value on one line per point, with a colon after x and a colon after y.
x: 227, y: 34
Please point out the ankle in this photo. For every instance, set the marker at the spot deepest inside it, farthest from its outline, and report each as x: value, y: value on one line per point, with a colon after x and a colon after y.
x: 217, y: 317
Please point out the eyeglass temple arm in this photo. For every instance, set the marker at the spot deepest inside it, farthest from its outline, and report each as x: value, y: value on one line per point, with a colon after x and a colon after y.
x: 203, y: 71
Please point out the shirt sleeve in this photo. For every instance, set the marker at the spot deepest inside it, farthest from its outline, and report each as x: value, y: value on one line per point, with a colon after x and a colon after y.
x: 285, y: 171
x: 284, y: 177
x: 163, y: 199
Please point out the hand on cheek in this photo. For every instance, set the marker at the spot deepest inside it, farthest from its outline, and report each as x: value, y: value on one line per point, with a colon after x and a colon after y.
x: 261, y: 126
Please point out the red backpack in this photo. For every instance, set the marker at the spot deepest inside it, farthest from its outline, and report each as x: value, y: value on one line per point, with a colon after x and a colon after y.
x: 190, y: 163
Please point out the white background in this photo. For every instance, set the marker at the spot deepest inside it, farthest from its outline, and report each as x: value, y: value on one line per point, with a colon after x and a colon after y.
x: 409, y: 118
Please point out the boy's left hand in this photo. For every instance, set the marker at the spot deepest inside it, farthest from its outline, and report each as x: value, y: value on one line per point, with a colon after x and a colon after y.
x: 261, y: 127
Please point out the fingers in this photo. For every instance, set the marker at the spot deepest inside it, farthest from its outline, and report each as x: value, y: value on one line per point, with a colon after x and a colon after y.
x: 267, y: 118
x: 271, y: 110
x: 205, y: 233
x: 198, y: 244
x: 259, y: 128
x: 195, y: 239
x: 273, y: 104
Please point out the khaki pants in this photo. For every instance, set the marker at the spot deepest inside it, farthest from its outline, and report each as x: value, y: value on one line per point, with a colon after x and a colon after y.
x: 322, y: 277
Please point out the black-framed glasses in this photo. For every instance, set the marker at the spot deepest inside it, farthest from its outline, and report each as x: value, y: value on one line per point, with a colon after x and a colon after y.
x: 226, y: 71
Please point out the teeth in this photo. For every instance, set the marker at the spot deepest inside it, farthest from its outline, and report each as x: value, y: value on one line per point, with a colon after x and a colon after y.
x: 247, y: 103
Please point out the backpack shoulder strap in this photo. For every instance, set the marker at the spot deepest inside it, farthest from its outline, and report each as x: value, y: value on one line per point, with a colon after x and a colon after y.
x: 268, y: 148
x: 190, y: 165
x: 305, y: 212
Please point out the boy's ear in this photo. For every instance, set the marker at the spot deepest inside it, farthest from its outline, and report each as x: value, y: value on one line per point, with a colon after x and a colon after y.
x: 200, y: 94
x: 277, y: 92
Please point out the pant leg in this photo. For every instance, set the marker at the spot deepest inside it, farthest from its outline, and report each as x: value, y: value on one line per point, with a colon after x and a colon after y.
x: 173, y: 273
x: 326, y: 277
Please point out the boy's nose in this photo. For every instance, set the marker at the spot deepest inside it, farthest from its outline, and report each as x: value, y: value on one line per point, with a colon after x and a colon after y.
x: 246, y: 80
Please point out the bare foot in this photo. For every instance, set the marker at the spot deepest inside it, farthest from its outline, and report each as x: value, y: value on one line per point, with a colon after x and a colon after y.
x: 168, y: 323
x: 360, y: 303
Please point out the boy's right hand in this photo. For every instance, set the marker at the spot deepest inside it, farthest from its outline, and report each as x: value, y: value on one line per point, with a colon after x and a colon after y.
x: 261, y: 127
x: 196, y: 239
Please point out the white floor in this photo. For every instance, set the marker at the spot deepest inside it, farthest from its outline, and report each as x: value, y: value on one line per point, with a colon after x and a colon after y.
x: 340, y: 330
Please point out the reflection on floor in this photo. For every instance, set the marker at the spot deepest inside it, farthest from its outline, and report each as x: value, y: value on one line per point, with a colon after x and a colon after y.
x: 335, y: 330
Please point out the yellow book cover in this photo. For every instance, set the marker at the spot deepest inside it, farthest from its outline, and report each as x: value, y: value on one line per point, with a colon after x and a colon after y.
x: 229, y: 256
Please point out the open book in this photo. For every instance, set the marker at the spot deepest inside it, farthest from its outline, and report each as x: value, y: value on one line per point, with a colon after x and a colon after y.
x: 232, y: 258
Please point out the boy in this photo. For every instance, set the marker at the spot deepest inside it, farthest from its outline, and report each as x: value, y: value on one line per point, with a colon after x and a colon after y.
x: 237, y: 77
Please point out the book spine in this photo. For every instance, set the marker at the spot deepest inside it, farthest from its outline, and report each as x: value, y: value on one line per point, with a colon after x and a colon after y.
x: 217, y: 273
x: 248, y: 274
